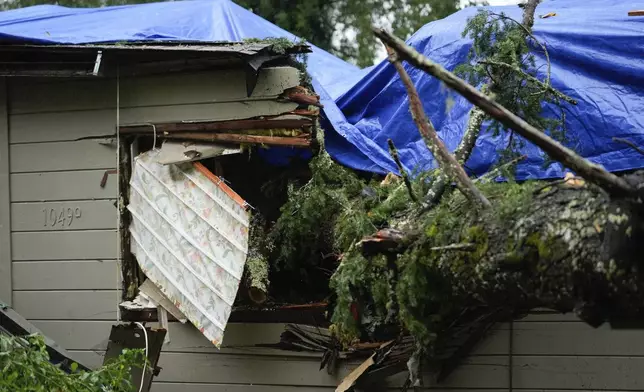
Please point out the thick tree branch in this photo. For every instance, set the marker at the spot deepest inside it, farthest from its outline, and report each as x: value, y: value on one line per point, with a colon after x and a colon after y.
x: 447, y: 162
x: 394, y: 154
x: 529, y: 9
x: 614, y: 185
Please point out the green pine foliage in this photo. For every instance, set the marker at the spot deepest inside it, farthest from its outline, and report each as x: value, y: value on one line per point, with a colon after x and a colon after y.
x: 502, y: 59
x: 25, y: 367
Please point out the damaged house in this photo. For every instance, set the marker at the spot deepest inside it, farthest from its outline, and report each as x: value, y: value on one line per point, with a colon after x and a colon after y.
x: 138, y: 183
x: 194, y: 149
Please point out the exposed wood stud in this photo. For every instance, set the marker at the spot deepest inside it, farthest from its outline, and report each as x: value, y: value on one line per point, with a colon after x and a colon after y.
x: 299, y: 142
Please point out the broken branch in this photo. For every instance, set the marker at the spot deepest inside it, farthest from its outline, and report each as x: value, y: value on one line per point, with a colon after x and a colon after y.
x: 611, y: 183
x: 629, y: 143
x: 394, y: 154
x: 491, y: 175
x: 447, y: 162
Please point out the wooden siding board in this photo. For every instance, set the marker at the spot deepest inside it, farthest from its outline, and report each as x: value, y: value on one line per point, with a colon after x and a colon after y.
x: 77, y: 334
x: 64, y: 245
x: 211, y: 86
x: 59, y: 186
x: 489, y: 372
x: 5, y: 200
x: 67, y: 305
x: 575, y: 338
x: 204, y: 112
x: 590, y: 373
x: 158, y: 386
x: 174, y: 387
x: 71, y: 215
x: 207, y: 368
x: 238, y: 339
x: 62, y: 156
x: 91, y: 359
x: 36, y: 96
x: 92, y: 335
x: 479, y: 372
x: 61, y: 126
x: 65, y: 275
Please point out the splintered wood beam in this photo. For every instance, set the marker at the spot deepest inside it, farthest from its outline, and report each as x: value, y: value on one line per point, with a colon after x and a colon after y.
x: 298, y: 142
x: 636, y: 13
x: 446, y: 160
x: 613, y: 184
x: 215, y: 126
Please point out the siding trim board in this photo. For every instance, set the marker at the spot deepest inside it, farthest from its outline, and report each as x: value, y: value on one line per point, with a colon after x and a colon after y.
x: 5, y: 201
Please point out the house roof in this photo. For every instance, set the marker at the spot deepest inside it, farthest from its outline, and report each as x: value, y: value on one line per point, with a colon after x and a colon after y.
x: 135, y: 58
x: 202, y: 21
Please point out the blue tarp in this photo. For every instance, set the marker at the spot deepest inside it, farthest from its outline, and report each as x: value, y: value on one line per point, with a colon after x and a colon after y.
x: 595, y: 48
x: 597, y: 54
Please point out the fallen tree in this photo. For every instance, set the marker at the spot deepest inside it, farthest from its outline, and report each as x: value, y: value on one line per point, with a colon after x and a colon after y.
x: 432, y: 269
x: 446, y: 269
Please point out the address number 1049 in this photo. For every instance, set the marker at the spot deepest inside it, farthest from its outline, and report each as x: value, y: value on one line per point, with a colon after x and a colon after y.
x: 61, y: 217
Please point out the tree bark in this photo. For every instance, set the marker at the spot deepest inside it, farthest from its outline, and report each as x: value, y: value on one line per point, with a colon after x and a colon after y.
x: 566, y: 248
x: 528, y: 13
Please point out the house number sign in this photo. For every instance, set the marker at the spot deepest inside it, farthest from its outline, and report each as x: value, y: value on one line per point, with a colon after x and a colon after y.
x: 61, y: 217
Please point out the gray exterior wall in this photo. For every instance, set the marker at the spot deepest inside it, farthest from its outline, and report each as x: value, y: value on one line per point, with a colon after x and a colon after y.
x: 60, y: 271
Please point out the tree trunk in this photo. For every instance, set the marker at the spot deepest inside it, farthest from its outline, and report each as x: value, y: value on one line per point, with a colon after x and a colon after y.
x: 560, y: 246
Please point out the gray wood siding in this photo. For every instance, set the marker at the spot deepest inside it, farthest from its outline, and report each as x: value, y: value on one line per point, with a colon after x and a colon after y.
x: 54, y: 275
x: 62, y: 156
x: 63, y: 274
x: 61, y: 126
x: 58, y: 186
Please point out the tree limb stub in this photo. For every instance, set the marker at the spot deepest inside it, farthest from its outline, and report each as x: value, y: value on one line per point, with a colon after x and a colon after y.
x: 462, y: 154
x: 394, y: 154
x: 447, y: 162
x: 614, y: 185
x: 528, y: 13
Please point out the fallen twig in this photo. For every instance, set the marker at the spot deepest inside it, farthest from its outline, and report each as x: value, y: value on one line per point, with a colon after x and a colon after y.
x: 614, y: 185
